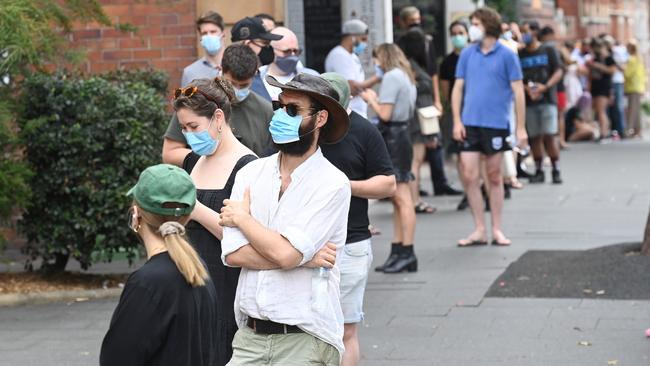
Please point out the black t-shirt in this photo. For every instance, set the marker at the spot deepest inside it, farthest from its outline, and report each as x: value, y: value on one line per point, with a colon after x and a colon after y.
x: 361, y: 155
x: 448, y: 71
x: 601, y: 83
x: 538, y: 66
x: 161, y: 320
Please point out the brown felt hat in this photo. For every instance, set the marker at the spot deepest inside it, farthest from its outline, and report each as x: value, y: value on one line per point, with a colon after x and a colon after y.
x: 338, y: 121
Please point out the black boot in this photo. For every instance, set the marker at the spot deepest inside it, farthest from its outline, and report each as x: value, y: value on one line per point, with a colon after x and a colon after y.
x: 557, y: 179
x: 463, y: 204
x: 406, y: 261
x: 395, y: 250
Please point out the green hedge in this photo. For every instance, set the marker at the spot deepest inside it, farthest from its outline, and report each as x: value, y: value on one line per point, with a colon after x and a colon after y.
x: 86, y: 141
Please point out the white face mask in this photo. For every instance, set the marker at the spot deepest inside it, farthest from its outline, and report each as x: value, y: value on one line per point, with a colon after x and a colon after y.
x: 475, y: 34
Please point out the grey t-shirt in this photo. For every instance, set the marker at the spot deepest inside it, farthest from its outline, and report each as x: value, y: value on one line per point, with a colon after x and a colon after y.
x: 397, y: 89
x: 249, y: 121
x: 199, y: 69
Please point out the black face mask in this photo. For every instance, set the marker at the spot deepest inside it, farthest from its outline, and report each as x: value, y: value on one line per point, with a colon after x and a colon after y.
x: 300, y: 147
x: 266, y: 55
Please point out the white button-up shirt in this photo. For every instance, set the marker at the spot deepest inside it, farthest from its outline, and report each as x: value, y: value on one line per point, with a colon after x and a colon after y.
x: 311, y: 212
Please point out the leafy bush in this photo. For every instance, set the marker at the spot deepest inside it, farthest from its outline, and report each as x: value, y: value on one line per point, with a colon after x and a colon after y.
x: 14, y: 191
x: 86, y: 140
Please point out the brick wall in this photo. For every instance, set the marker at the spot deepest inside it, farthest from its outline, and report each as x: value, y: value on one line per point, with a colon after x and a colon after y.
x: 165, y: 40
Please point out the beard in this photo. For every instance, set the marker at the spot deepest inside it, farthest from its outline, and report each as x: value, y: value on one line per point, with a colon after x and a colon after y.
x: 300, y: 147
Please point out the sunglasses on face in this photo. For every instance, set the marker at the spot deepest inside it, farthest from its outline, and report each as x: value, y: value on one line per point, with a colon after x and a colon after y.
x: 290, y: 51
x: 190, y: 91
x: 291, y: 108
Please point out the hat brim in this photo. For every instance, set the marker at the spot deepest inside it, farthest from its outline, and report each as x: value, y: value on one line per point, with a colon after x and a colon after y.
x: 338, y: 122
x: 270, y: 36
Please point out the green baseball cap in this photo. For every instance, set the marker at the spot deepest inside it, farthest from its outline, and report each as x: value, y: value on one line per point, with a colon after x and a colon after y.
x: 341, y: 86
x: 161, y: 184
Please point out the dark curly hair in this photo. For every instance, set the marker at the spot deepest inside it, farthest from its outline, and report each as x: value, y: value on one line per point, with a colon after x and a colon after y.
x: 221, y: 96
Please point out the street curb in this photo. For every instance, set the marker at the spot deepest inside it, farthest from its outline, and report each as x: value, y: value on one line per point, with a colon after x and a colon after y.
x: 57, y: 296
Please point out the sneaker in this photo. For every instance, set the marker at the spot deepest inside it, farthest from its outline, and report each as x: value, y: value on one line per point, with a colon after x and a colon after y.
x: 557, y: 179
x: 538, y: 177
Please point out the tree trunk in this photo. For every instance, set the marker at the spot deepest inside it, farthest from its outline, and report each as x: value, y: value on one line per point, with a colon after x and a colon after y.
x: 56, y: 266
x: 645, y: 246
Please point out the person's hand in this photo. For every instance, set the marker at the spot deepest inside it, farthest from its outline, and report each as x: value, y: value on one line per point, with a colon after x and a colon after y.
x: 368, y: 94
x: 233, y: 212
x: 459, y: 132
x: 325, y: 257
x: 438, y: 106
x: 355, y: 87
x: 522, y: 137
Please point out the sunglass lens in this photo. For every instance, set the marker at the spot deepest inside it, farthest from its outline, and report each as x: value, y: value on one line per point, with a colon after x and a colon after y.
x: 276, y: 105
x: 292, y: 110
x: 178, y: 92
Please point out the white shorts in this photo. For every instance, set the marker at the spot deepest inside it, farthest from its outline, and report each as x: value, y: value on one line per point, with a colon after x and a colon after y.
x: 354, y: 264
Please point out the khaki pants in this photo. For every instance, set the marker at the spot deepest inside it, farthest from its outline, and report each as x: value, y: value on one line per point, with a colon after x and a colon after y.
x: 296, y: 349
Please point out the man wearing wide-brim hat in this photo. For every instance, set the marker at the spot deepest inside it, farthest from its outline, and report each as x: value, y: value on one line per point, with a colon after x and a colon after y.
x: 283, y: 225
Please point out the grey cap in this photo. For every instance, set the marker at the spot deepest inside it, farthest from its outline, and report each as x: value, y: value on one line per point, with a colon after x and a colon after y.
x: 354, y: 26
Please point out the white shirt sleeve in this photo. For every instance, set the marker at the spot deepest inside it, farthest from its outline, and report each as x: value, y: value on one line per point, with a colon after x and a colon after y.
x: 341, y: 62
x: 319, y: 222
x: 233, y: 238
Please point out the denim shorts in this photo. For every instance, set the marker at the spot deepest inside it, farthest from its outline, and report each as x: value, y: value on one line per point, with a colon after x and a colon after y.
x: 354, y: 264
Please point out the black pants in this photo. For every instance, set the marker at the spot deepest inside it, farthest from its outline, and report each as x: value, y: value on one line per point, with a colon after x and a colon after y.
x: 435, y: 157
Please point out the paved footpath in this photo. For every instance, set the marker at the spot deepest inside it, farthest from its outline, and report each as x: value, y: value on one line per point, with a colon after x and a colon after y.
x: 439, y: 316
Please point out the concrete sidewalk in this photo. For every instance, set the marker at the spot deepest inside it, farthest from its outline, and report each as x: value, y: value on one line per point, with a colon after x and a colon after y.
x: 439, y: 316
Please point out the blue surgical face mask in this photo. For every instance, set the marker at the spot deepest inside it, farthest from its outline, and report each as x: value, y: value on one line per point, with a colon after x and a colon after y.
x: 459, y: 41
x: 211, y: 44
x: 284, y: 128
x: 287, y: 64
x: 201, y: 142
x: 359, y: 48
x: 242, y: 93
x: 507, y: 35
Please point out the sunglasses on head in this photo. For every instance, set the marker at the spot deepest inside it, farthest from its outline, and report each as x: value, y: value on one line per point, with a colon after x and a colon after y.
x: 191, y: 91
x: 292, y: 109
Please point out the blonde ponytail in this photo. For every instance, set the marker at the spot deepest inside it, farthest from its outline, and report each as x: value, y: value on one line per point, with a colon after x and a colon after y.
x: 181, y: 252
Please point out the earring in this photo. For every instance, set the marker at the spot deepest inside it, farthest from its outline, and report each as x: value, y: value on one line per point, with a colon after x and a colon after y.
x: 219, y: 128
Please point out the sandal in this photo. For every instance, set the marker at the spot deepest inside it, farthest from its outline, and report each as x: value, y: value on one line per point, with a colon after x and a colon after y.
x: 471, y: 243
x: 504, y: 242
x: 423, y: 207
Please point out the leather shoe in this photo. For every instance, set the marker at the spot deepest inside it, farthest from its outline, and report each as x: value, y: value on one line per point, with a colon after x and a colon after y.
x: 447, y: 190
x: 392, y: 258
x: 407, y: 262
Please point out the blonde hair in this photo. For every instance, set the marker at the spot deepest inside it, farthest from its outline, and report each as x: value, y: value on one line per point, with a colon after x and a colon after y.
x: 390, y: 56
x: 172, y: 230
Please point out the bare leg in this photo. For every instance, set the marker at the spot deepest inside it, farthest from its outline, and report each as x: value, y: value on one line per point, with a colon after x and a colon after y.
x: 404, y: 208
x: 470, y: 174
x: 351, y: 342
x: 494, y: 175
x: 419, y: 152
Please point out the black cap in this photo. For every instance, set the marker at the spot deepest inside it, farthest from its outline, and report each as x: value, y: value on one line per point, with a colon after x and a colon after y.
x: 251, y: 28
x: 338, y: 121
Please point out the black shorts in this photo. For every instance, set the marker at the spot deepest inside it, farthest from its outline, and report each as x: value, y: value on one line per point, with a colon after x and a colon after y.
x: 487, y: 141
